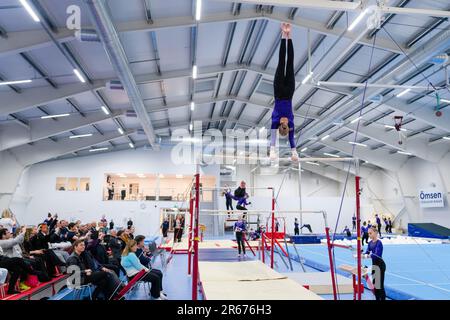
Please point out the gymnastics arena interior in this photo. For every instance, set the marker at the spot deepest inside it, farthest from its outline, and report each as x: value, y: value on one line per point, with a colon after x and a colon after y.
x: 224, y: 150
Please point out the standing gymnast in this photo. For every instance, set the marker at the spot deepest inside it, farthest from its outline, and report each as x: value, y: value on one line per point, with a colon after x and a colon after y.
x: 284, y: 87
x: 375, y: 252
x: 240, y: 228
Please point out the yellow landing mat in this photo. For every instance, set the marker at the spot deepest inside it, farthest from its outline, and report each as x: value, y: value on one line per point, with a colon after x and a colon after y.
x: 320, y: 282
x: 249, y: 280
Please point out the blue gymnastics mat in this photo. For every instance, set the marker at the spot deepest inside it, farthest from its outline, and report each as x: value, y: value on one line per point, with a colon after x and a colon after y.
x: 414, y: 272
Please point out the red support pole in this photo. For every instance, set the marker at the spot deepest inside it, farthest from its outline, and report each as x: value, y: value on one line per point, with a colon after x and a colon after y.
x: 263, y: 247
x: 330, y: 255
x: 273, y: 229
x: 191, y: 210
x: 196, y: 215
x: 358, y: 233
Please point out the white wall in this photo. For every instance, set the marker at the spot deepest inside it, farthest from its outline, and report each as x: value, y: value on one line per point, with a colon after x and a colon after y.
x: 89, y: 206
x: 397, y: 193
x: 390, y: 193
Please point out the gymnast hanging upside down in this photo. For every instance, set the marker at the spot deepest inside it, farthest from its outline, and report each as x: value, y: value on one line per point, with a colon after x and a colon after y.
x: 284, y: 87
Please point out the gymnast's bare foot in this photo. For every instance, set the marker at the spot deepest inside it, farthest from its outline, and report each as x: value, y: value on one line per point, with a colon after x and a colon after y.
x: 287, y: 30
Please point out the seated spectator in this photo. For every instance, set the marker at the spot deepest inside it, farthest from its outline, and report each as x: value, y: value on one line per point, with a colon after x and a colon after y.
x: 103, y: 227
x: 51, y: 221
x: 116, y: 245
x: 144, y: 255
x: 130, y: 262
x: 17, y: 268
x: 99, y: 253
x: 130, y: 232
x: 84, y: 230
x: 73, y: 234
x: 93, y: 226
x: 39, y: 241
x: 125, y: 236
x: 92, y: 272
x: 7, y: 220
x: 12, y: 248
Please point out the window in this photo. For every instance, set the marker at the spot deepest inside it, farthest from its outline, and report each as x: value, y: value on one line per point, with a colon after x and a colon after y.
x: 85, y: 184
x: 61, y: 184
x: 72, y: 184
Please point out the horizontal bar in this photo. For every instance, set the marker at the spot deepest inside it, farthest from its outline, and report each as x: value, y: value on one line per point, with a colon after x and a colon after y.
x: 369, y: 85
x: 265, y: 211
x: 235, y: 214
x: 247, y: 188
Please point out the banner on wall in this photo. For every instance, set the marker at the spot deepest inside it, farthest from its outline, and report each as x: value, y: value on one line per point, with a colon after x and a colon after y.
x: 431, y: 198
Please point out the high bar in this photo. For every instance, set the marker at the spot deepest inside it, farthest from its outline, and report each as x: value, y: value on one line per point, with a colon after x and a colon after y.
x: 260, y: 211
x: 247, y: 188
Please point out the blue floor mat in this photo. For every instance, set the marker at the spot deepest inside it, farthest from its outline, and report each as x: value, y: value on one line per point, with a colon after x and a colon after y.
x: 413, y: 271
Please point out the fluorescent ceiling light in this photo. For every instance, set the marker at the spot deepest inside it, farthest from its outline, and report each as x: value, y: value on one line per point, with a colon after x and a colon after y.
x: 78, y: 74
x: 392, y: 127
x: 306, y: 79
x: 198, y: 10
x: 325, y: 137
x: 131, y: 145
x: 7, y: 83
x: 356, y: 120
x: 192, y: 106
x: 30, y: 10
x: 304, y: 149
x: 358, y: 144
x: 442, y: 100
x: 262, y: 129
x: 51, y: 116
x: 105, y: 110
x: 405, y: 153
x: 313, y: 163
x: 403, y: 93
x: 446, y: 138
x: 331, y: 155
x: 98, y: 149
x: 81, y: 136
x: 191, y: 127
x: 194, y: 72
x: 120, y: 130
x: 357, y: 20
